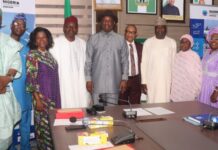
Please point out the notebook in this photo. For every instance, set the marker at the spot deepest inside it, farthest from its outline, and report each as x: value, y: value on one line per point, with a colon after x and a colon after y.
x: 197, y: 119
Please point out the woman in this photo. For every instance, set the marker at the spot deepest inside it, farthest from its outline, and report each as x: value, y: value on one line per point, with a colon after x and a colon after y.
x: 186, y: 72
x: 209, y: 89
x: 43, y: 82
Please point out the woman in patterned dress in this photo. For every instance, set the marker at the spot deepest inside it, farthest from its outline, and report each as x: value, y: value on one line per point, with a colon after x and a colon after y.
x: 43, y: 82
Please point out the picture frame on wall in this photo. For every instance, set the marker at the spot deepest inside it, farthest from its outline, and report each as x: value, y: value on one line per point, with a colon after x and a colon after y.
x: 202, y: 2
x: 148, y: 7
x: 108, y: 4
x: 173, y: 10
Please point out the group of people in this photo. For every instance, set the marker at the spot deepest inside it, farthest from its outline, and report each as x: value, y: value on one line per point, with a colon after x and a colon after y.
x: 67, y: 72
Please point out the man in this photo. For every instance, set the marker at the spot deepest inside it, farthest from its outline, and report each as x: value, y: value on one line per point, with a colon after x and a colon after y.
x: 18, y: 27
x: 171, y: 9
x: 106, y: 67
x: 156, y: 67
x: 69, y: 51
x: 10, y: 68
x: 201, y: 2
x: 133, y: 91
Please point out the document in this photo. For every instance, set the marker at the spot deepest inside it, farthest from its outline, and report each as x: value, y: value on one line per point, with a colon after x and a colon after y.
x: 90, y: 147
x: 144, y: 97
x: 140, y: 111
x: 66, y: 122
x: 159, y: 111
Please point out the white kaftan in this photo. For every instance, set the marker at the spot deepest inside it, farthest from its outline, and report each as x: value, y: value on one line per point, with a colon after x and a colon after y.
x: 10, y: 111
x: 71, y: 60
x: 156, y: 68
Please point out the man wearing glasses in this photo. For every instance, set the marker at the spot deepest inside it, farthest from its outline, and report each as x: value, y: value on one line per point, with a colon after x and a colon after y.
x: 18, y: 28
x: 133, y: 91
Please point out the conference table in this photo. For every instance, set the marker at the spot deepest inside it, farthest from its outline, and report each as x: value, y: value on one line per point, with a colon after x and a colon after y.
x: 167, y: 133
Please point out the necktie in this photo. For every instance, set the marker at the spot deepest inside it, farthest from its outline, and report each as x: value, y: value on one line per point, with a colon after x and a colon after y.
x: 133, y: 69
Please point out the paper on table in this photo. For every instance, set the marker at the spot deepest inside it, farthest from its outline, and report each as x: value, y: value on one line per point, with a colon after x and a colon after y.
x: 90, y: 147
x: 159, y: 111
x: 65, y: 122
x: 144, y: 97
x: 140, y: 111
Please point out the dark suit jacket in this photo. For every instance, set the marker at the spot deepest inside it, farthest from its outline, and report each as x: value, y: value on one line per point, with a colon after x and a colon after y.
x: 139, y: 52
x: 134, y: 83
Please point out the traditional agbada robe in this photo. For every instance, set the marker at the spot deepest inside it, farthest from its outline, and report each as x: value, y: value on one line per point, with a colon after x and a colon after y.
x: 156, y: 68
x: 71, y: 60
x: 186, y: 76
x: 10, y: 111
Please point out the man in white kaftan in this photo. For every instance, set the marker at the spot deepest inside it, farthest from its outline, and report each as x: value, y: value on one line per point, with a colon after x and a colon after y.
x: 157, y: 58
x: 69, y: 51
x: 10, y: 65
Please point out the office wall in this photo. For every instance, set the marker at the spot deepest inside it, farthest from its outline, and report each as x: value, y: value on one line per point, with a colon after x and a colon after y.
x: 145, y: 23
x: 49, y: 14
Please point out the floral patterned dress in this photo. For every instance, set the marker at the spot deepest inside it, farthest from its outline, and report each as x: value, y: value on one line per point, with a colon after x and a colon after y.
x: 42, y: 77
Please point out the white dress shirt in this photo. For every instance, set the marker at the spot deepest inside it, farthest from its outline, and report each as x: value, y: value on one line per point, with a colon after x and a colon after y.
x: 135, y: 58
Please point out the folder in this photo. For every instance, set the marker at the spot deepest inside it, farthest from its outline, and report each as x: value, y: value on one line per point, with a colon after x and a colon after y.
x: 197, y: 119
x: 69, y: 112
x: 120, y: 147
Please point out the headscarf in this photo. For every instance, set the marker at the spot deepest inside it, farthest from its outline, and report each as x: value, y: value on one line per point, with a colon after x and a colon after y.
x: 71, y: 19
x: 189, y: 37
x: 20, y: 16
x: 160, y: 22
x: 211, y: 32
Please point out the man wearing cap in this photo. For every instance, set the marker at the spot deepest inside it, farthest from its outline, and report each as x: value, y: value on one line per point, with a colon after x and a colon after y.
x: 10, y: 68
x: 69, y: 51
x: 156, y: 67
x: 18, y: 28
x: 106, y: 67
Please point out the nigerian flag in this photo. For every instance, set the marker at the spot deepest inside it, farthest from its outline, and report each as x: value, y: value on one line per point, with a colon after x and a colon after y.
x: 67, y: 9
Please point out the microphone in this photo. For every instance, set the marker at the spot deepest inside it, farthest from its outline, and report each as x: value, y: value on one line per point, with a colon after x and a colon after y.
x: 127, y: 114
x: 211, y: 122
x: 122, y: 138
x: 74, y: 127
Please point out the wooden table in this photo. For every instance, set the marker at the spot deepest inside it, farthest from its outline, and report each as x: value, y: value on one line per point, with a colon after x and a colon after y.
x: 62, y: 139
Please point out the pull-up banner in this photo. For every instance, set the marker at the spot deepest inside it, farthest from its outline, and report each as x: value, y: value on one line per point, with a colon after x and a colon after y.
x: 202, y: 19
x: 10, y: 8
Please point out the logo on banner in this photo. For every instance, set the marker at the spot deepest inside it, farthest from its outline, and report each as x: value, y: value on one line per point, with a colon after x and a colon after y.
x: 11, y: 3
x: 204, y: 12
x: 197, y: 28
x: 213, y: 13
x: 199, y: 46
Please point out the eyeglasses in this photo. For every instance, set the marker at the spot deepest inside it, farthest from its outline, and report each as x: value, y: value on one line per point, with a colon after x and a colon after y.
x: 131, y: 32
x: 21, y: 25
